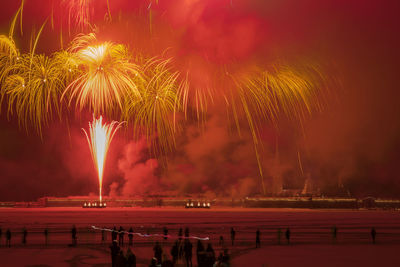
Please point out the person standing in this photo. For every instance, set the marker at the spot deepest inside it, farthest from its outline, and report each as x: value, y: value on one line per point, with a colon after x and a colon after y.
x: 121, y: 260
x: 8, y: 238
x: 373, y: 234
x: 188, y: 253
x: 130, y: 258
x: 210, y: 255
x: 158, y: 252
x: 258, y: 242
x: 226, y: 259
x: 175, y: 252
x: 46, y: 236
x: 165, y: 231
x: 114, y: 234
x: 103, y: 235
x: 200, y: 253
x: 233, y: 234
x: 114, y: 248
x: 130, y: 237
x: 121, y: 236
x: 73, y: 235
x: 24, y: 235
x: 334, y: 233
x: 153, y: 263
x: 288, y: 235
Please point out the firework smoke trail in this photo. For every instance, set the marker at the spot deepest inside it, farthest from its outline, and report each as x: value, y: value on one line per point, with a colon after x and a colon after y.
x: 99, y: 139
x: 150, y: 235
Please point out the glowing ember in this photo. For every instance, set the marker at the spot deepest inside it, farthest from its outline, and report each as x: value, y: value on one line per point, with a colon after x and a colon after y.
x: 99, y: 139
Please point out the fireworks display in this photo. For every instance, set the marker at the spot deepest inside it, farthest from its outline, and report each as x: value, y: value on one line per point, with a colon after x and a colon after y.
x: 99, y: 139
x: 107, y: 77
x: 157, y: 95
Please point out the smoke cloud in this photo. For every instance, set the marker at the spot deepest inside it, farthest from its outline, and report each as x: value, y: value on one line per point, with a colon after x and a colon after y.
x: 352, y: 147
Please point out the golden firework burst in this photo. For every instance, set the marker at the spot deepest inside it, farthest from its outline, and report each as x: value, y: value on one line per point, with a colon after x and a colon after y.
x: 154, y: 114
x: 107, y: 75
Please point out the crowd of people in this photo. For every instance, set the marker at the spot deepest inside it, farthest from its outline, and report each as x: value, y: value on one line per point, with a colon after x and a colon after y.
x: 180, y: 252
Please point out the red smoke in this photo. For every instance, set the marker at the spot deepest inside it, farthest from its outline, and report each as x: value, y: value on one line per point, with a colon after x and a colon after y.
x: 354, y: 142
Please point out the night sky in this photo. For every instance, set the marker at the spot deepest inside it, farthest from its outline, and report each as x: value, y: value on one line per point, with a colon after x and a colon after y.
x: 353, y: 145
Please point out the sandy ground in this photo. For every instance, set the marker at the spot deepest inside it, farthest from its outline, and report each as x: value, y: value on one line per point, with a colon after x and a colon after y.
x: 311, y: 242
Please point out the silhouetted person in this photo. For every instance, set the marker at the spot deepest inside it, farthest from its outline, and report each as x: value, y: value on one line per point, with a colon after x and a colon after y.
x: 287, y: 234
x: 175, y: 252
x: 334, y: 233
x: 186, y: 232
x: 8, y: 238
x: 158, y: 252
x: 103, y: 235
x: 226, y: 258
x: 130, y: 258
x: 114, y: 234
x: 181, y: 249
x: 121, y: 260
x: 200, y: 253
x: 279, y: 232
x: 130, y: 236
x: 373, y: 234
x: 180, y: 233
x: 188, y: 252
x: 46, y: 236
x: 210, y: 255
x: 73, y: 235
x: 166, y: 262
x: 121, y: 236
x: 219, y: 259
x: 24, y: 235
x: 165, y: 231
x: 114, y: 248
x: 258, y: 243
x: 233, y: 234
x: 221, y: 240
x: 153, y: 262
x: 1, y: 233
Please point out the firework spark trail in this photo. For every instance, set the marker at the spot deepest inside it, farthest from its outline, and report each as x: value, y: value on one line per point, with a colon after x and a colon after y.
x: 99, y: 139
x: 154, y: 114
x: 150, y: 235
